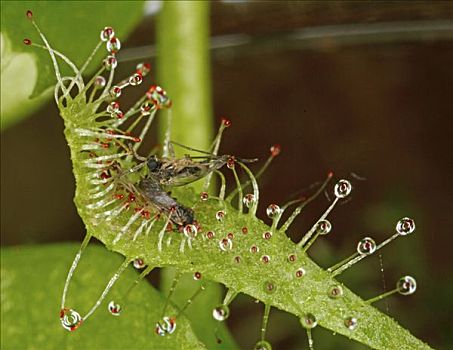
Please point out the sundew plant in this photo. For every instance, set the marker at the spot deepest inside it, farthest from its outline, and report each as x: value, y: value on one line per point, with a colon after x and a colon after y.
x: 193, y: 212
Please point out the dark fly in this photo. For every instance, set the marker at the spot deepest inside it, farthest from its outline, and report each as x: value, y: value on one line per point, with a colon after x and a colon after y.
x: 165, y: 173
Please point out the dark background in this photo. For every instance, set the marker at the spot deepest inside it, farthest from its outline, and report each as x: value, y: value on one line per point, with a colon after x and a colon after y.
x: 372, y: 99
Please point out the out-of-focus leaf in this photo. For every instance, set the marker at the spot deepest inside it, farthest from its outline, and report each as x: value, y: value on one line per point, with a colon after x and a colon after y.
x: 32, y: 282
x: 71, y: 27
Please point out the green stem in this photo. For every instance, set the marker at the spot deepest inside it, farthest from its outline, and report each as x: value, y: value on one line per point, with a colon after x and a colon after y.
x: 183, y: 69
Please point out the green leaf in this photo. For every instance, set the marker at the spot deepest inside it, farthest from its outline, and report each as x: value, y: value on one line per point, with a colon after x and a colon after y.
x: 32, y: 283
x: 72, y: 26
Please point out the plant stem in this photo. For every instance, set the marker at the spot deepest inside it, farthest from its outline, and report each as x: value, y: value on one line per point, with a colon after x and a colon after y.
x: 183, y: 69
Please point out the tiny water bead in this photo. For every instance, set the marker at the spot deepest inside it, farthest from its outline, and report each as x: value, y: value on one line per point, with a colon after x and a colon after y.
x: 254, y: 249
x: 99, y: 81
x: 308, y: 321
x: 197, y: 276
x: 166, y: 326
x: 292, y: 258
x: 323, y: 227
x: 135, y: 79
x: 226, y: 122
x: 342, y: 189
x: 220, y: 215
x: 115, y: 92
x: 107, y: 33
x: 113, y: 45
x: 225, y: 244
x: 113, y: 107
x: 267, y: 235
x: 114, y: 308
x: 70, y: 319
x: 158, y: 96
x: 221, y: 312
x: 273, y: 210
x: 190, y: 231
x: 405, y: 226
x: 262, y: 345
x: 366, y: 246
x: 275, y: 150
x: 231, y: 162
x: 406, y: 285
x: 146, y: 108
x: 269, y: 287
x: 139, y: 263
x: 350, y: 323
x: 110, y: 62
x: 265, y: 259
x: 143, y: 68
x: 335, y: 292
x: 300, y: 272
x: 249, y: 200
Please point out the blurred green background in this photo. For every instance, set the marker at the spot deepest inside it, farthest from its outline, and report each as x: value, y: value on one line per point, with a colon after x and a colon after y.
x: 353, y: 87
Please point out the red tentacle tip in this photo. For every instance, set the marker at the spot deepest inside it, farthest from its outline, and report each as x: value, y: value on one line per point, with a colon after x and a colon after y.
x: 27, y: 41
x: 275, y: 150
x: 29, y: 14
x: 330, y: 174
x: 226, y: 122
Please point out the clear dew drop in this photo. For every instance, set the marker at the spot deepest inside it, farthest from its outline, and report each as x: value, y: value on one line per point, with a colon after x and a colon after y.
x: 113, y: 45
x: 366, y: 246
x: 405, y: 226
x: 190, y: 231
x: 115, y: 91
x: 70, y: 319
x: 113, y: 107
x: 273, y: 210
x: 143, y: 68
x: 262, y: 345
x: 166, y: 326
x: 350, y: 323
x: 406, y: 285
x: 114, y: 308
x: 221, y: 312
x: 107, y: 33
x: 267, y: 235
x: 135, y: 79
x: 158, y: 96
x: 265, y: 259
x: 249, y: 200
x: 292, y: 258
x: 335, y: 292
x: 300, y: 272
x: 269, y: 287
x: 146, y: 108
x: 225, y: 244
x: 308, y: 321
x: 99, y: 82
x: 342, y: 188
x: 139, y: 263
x: 220, y: 215
x: 323, y: 227
x: 110, y: 62
x: 254, y: 249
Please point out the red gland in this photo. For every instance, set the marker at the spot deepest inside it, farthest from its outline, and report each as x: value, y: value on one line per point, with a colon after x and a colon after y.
x: 230, y: 163
x: 226, y: 122
x: 245, y: 230
x: 27, y: 41
x: 137, y: 139
x: 29, y: 14
x: 330, y: 174
x: 275, y: 150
